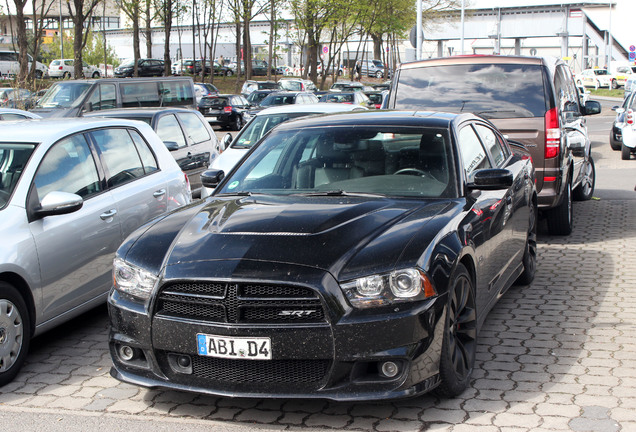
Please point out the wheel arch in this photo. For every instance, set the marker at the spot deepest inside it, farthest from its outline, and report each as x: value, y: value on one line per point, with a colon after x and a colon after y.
x: 23, y: 288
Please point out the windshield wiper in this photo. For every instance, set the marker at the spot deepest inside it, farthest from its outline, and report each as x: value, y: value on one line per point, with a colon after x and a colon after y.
x: 339, y: 192
x: 241, y: 193
x: 494, y: 111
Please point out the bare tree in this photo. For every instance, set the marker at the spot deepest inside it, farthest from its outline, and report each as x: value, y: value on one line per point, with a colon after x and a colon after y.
x: 23, y: 60
x: 81, y: 12
x: 164, y: 10
x: 148, y: 16
x: 132, y: 9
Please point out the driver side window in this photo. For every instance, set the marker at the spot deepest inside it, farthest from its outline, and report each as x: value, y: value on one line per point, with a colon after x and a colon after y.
x: 472, y: 152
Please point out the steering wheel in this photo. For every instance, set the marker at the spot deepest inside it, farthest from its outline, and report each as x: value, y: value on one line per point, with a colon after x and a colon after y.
x: 413, y: 171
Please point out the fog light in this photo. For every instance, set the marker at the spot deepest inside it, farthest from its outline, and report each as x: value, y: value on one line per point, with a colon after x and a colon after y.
x: 126, y: 353
x: 184, y: 361
x: 389, y: 369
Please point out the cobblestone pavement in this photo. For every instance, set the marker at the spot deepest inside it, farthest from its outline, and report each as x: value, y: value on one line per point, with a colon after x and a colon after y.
x: 558, y: 355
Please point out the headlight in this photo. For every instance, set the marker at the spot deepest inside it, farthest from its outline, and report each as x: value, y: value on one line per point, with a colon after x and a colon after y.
x: 397, y: 286
x: 132, y: 280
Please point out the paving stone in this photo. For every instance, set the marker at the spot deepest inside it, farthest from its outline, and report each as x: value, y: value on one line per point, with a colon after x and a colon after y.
x: 258, y: 416
x: 332, y: 421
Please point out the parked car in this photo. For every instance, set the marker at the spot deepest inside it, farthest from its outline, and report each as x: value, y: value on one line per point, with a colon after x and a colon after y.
x: 251, y: 85
x: 9, y: 66
x: 372, y: 68
x: 382, y: 86
x: 628, y: 142
x: 186, y: 133
x: 296, y: 84
x: 16, y: 114
x: 622, y: 74
x: 16, y: 98
x: 77, y: 97
x: 351, y: 97
x: 225, y: 110
x: 71, y: 192
x: 596, y: 78
x: 145, y: 68
x: 349, y: 86
x: 544, y: 113
x: 630, y: 85
x: 286, y: 98
x: 204, y: 89
x: 616, y: 134
x: 382, y: 238
x: 263, y: 121
x: 259, y: 67
x: 255, y: 98
x: 64, y: 68
x: 377, y: 97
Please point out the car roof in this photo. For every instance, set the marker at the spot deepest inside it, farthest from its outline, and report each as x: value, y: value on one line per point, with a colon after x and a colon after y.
x: 19, y: 111
x: 316, y: 108
x: 381, y: 117
x: 51, y: 130
x: 137, y: 112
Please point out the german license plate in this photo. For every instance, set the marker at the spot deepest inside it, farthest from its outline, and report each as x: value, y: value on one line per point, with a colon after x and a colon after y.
x: 249, y: 348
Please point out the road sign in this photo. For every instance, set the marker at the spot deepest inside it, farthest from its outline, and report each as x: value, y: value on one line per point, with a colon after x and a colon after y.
x: 325, y: 49
x: 632, y: 55
x: 632, y: 48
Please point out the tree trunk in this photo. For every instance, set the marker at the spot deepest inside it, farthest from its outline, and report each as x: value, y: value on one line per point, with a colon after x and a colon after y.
x: 168, y: 28
x: 247, y: 43
x: 77, y: 48
x: 148, y: 30
x: 272, y: 32
x: 23, y: 60
x: 136, y: 41
x: 377, y: 45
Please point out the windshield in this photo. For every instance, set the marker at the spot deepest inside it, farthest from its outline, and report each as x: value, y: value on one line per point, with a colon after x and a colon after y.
x: 278, y: 99
x: 600, y: 72
x: 256, y: 97
x: 290, y: 85
x: 66, y: 94
x: 490, y: 90
x: 349, y: 160
x: 128, y: 63
x: 13, y: 158
x: 257, y: 128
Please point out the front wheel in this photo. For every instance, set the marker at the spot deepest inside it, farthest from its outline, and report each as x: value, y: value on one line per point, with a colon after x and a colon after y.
x: 585, y: 189
x: 95, y: 74
x: 459, y: 344
x: 625, y: 152
x: 15, y: 332
x: 614, y: 84
x: 229, y: 73
x: 379, y: 74
x: 39, y: 74
x: 560, y: 218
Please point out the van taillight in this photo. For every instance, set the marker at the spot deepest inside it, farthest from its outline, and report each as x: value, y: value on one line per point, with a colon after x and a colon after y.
x: 629, y: 117
x: 187, y: 181
x: 227, y: 109
x: 552, y: 134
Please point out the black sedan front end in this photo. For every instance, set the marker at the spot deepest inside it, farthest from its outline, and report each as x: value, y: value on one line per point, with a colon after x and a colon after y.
x: 345, y: 258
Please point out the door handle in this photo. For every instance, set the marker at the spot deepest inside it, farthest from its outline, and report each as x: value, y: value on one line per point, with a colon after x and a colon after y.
x: 109, y: 214
x: 159, y: 193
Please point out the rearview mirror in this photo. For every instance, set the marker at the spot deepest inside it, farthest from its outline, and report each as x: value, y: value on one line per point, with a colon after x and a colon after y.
x: 171, y: 145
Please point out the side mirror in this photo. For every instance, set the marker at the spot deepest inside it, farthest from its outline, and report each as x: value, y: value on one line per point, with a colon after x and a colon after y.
x: 212, y: 178
x: 491, y: 179
x: 226, y: 141
x: 615, y: 107
x: 171, y: 145
x: 88, y: 107
x: 592, y: 107
x: 58, y: 203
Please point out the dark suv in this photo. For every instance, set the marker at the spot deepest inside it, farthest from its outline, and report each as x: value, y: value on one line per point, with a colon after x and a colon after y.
x: 533, y: 100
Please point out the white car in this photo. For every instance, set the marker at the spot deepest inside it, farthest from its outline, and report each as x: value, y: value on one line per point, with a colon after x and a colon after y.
x: 628, y: 142
x: 72, y: 190
x: 9, y: 66
x: 596, y: 78
x: 261, y: 123
x: 16, y: 114
x: 63, y: 68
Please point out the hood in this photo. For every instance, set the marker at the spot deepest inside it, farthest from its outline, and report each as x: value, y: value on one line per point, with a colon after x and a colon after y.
x: 228, y: 159
x: 55, y: 112
x: 319, y: 232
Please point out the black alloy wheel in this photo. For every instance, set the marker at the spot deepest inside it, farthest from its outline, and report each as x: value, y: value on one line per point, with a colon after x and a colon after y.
x: 459, y: 345
x: 530, y: 253
x: 585, y: 189
x: 238, y: 123
x: 15, y: 332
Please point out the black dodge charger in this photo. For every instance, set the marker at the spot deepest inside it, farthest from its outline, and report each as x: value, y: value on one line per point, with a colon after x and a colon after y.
x: 348, y: 257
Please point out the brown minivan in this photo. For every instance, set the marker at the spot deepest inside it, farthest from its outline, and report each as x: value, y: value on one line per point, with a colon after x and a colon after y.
x: 533, y: 100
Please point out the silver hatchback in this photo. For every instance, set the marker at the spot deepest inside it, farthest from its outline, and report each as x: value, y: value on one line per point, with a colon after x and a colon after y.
x: 71, y: 191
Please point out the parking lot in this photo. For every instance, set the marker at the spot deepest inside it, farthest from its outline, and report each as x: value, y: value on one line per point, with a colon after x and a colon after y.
x: 558, y: 355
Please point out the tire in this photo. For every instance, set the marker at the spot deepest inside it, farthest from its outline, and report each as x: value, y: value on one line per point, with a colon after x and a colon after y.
x: 614, y: 85
x: 615, y: 145
x: 38, y: 74
x: 229, y: 73
x: 66, y: 75
x: 96, y: 75
x: 578, y: 82
x: 530, y: 253
x: 379, y: 74
x: 585, y: 189
x: 459, y: 344
x: 15, y: 332
x: 238, y: 123
x: 560, y: 218
x: 625, y: 152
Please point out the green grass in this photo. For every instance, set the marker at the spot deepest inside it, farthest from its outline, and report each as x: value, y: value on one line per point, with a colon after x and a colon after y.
x: 618, y: 93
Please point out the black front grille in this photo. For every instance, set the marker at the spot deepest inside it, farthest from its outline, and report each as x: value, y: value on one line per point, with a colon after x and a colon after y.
x: 224, y: 302
x: 260, y: 371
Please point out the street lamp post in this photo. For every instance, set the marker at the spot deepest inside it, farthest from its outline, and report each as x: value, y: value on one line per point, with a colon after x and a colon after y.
x: 61, y: 33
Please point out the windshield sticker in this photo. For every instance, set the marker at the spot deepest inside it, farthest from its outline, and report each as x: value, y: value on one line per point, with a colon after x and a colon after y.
x: 233, y: 185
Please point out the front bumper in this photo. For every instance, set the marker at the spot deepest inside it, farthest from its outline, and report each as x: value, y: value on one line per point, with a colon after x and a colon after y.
x: 338, y: 357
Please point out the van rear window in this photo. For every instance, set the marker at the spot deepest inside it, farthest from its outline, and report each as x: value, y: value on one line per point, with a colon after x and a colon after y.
x: 489, y: 90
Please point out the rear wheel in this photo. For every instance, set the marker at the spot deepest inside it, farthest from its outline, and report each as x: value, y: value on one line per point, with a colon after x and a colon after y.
x: 560, y: 218
x: 229, y: 73
x: 238, y: 123
x: 378, y: 74
x: 95, y: 74
x: 530, y: 253
x: 14, y: 332
x: 66, y: 75
x: 585, y: 189
x: 625, y: 152
x: 460, y: 335
x: 38, y: 74
x: 614, y: 84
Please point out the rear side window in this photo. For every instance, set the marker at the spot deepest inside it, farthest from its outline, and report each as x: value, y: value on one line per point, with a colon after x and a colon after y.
x: 120, y: 155
x: 168, y: 129
x: 489, y: 90
x: 147, y: 156
x: 139, y: 94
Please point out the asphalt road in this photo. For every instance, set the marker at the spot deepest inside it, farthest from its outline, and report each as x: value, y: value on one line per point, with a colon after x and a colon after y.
x: 558, y: 355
